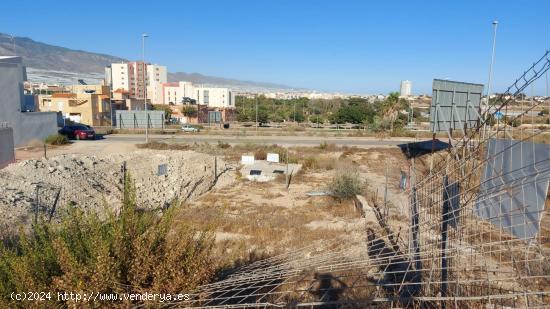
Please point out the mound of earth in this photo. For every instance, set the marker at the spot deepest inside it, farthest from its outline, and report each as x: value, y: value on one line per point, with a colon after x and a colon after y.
x: 96, y: 182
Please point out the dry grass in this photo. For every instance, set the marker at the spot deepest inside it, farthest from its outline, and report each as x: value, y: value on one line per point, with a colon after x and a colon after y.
x: 268, y: 219
x: 163, y: 146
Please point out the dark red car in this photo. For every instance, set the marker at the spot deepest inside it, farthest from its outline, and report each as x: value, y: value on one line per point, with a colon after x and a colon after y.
x: 78, y: 132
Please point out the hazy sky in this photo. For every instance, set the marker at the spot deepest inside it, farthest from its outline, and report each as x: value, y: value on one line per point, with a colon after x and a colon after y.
x: 348, y: 46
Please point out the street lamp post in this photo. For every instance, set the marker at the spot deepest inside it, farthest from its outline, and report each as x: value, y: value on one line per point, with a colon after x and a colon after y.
x: 13, y: 43
x: 489, y: 84
x: 257, y: 114
x: 143, y: 36
x: 294, y: 112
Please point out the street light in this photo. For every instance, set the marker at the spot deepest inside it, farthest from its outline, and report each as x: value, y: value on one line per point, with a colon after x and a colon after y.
x: 13, y: 43
x: 143, y: 36
x: 489, y: 84
x: 257, y: 113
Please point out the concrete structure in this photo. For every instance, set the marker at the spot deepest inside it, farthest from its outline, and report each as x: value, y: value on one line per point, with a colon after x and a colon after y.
x: 7, y: 154
x: 212, y: 115
x: 137, y: 119
x: 406, y: 88
x: 87, y: 104
x: 261, y: 170
x: 26, y: 126
x: 174, y: 93
x: 135, y: 76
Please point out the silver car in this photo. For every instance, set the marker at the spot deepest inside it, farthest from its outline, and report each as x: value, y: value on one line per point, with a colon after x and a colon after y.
x: 189, y: 128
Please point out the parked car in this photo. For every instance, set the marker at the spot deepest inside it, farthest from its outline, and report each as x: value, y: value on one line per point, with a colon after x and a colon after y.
x: 188, y: 128
x: 78, y: 132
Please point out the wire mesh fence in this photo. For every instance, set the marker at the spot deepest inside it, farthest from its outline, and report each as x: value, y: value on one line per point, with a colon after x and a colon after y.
x: 478, y: 234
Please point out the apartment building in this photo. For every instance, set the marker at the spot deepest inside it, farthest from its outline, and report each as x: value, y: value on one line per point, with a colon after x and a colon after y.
x: 173, y: 93
x: 137, y: 76
x: 87, y: 104
x: 156, y: 76
x: 181, y: 92
x: 215, y: 97
x: 405, y: 89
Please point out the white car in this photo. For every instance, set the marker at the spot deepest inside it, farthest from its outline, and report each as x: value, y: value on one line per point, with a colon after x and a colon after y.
x: 188, y: 128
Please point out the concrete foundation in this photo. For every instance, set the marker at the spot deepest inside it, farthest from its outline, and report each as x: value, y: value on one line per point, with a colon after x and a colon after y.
x: 262, y: 170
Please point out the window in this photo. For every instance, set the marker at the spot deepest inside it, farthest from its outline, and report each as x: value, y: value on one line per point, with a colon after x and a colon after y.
x: 206, y: 97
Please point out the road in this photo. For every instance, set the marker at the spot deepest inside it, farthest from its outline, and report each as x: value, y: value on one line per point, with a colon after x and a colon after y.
x: 363, y: 142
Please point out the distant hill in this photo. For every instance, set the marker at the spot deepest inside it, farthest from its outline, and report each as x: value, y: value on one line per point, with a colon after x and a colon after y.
x: 53, y: 64
x: 49, y: 57
x: 220, y: 81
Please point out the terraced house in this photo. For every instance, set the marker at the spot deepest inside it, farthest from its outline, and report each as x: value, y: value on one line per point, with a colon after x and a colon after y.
x: 87, y: 104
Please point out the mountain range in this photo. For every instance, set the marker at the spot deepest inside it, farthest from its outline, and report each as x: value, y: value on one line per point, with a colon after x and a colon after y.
x: 55, y: 64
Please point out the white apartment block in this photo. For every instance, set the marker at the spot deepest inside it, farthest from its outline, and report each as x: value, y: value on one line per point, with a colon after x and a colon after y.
x: 173, y: 93
x: 130, y: 77
x: 215, y: 97
x: 211, y: 96
x: 406, y: 88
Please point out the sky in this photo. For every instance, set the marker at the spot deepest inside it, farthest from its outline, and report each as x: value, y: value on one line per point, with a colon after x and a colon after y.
x: 362, y: 47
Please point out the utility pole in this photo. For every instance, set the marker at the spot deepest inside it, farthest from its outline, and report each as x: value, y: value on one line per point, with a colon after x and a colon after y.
x: 257, y: 124
x: 489, y: 84
x: 294, y: 112
x: 13, y: 43
x: 143, y: 36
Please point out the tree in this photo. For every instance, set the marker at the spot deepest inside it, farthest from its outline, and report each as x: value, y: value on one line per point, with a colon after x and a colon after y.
x: 262, y: 115
x: 166, y: 108
x: 391, y: 107
x: 316, y: 119
x: 189, y: 111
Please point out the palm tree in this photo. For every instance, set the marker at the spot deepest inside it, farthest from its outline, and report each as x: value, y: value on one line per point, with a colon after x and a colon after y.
x: 392, y: 105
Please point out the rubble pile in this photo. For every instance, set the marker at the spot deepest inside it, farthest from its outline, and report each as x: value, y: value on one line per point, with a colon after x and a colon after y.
x: 95, y: 182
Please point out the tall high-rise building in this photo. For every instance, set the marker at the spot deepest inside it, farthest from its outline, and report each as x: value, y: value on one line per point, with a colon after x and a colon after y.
x: 137, y: 76
x: 406, y: 88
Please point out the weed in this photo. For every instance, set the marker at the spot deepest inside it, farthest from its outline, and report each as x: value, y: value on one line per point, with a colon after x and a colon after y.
x: 346, y: 183
x: 135, y: 251
x: 56, y: 139
x: 163, y: 146
x: 223, y: 145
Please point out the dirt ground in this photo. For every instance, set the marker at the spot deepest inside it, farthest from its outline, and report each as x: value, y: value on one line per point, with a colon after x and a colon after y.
x: 267, y: 217
x: 36, y: 150
x: 95, y: 182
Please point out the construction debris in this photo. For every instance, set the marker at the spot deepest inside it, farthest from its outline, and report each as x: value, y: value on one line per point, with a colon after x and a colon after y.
x: 95, y: 182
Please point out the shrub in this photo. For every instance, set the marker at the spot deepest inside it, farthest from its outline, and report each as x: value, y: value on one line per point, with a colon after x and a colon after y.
x: 163, y: 146
x: 320, y: 162
x: 56, y: 139
x: 189, y: 111
x: 260, y: 154
x: 310, y: 163
x: 223, y: 145
x: 135, y: 251
x: 326, y: 146
x: 345, y: 184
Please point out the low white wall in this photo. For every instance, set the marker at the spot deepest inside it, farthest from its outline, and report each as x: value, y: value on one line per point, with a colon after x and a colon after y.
x: 7, y: 155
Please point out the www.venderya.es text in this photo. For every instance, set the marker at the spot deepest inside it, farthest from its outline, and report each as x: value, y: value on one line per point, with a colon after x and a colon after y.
x: 96, y: 296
